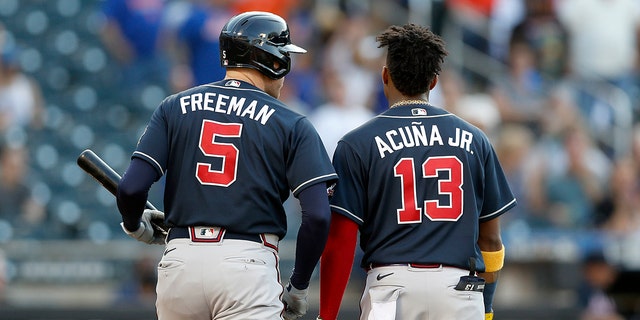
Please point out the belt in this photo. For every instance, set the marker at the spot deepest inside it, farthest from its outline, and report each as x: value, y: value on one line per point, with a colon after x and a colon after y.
x: 217, y: 234
x: 411, y: 265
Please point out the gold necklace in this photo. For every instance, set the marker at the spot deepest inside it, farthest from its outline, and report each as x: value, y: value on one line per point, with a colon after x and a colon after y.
x: 406, y: 102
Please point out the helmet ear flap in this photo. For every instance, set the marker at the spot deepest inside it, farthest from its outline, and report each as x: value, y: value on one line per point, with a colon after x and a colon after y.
x: 277, y: 67
x: 258, y: 40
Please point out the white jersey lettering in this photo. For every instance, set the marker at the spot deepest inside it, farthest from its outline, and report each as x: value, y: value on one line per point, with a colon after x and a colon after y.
x: 226, y: 104
x: 417, y: 136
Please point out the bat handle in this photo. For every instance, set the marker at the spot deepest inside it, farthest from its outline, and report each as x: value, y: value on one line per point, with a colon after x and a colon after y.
x: 158, y: 224
x: 150, y: 206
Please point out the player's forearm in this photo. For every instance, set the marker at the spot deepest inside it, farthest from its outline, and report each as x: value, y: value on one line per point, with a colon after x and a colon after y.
x: 335, y: 265
x: 313, y: 233
x: 489, y: 277
x: 490, y: 287
x: 132, y: 193
x: 489, y: 290
x: 494, y: 261
x: 309, y: 247
x: 333, y: 283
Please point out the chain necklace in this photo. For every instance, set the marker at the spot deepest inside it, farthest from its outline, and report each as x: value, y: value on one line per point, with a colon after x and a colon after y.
x: 406, y: 102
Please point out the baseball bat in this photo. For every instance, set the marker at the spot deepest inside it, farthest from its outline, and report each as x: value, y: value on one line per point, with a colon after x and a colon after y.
x: 92, y: 164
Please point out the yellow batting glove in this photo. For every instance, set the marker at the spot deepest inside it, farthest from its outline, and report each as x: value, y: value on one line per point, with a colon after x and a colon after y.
x: 488, y: 316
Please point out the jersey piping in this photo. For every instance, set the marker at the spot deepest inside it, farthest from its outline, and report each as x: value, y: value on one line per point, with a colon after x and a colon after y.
x: 351, y: 215
x: 233, y: 88
x: 335, y: 176
x: 499, y: 211
x: 415, y: 117
x: 149, y: 158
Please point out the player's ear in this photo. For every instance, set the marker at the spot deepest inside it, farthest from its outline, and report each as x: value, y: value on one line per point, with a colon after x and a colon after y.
x: 433, y: 83
x: 385, y: 75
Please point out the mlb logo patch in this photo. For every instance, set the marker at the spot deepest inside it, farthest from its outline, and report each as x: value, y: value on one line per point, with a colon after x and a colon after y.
x: 232, y: 83
x: 207, y: 234
x: 419, y: 112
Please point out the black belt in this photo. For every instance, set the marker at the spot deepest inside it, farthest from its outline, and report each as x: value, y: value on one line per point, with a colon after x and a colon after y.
x: 412, y: 265
x: 185, y: 233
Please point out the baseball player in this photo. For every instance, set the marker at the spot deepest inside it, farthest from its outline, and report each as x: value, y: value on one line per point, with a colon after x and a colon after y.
x: 425, y: 190
x: 232, y: 153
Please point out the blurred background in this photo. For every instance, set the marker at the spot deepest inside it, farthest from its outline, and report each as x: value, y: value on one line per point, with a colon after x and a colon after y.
x: 554, y: 83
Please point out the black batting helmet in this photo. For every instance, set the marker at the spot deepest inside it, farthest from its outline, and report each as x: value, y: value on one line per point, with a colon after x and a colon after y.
x: 256, y: 40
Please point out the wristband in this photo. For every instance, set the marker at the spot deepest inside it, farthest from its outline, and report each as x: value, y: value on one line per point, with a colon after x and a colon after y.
x: 493, y: 260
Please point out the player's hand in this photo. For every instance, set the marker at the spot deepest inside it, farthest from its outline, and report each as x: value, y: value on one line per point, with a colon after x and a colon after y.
x: 145, y: 232
x: 488, y: 316
x: 295, y: 302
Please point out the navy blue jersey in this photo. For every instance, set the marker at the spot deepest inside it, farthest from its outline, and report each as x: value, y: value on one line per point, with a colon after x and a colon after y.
x: 419, y: 180
x: 232, y: 154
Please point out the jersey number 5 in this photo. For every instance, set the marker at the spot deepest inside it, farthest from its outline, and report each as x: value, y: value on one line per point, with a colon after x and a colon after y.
x: 227, y: 151
x: 451, y: 187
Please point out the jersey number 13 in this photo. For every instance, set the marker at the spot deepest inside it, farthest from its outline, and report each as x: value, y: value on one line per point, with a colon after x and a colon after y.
x: 450, y: 187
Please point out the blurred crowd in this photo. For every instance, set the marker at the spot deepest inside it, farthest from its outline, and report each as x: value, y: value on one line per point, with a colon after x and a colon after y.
x: 554, y: 83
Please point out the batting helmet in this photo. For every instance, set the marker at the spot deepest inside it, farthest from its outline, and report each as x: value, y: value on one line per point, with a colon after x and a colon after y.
x: 257, y: 40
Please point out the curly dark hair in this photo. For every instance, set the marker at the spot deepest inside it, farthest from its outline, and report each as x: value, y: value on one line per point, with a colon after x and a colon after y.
x: 414, y: 57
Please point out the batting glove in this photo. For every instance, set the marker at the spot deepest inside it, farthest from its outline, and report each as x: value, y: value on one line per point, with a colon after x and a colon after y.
x: 295, y: 302
x: 145, y: 232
